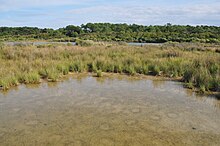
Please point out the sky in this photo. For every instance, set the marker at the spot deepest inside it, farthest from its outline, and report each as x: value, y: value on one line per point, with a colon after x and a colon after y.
x: 60, y: 13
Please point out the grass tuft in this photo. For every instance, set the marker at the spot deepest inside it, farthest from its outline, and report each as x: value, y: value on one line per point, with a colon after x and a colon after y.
x: 99, y: 73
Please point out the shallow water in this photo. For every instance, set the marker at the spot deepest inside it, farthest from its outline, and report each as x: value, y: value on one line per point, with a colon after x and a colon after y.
x: 144, y: 44
x: 118, y: 111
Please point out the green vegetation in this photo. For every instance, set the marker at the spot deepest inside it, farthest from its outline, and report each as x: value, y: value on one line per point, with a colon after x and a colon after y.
x: 84, y: 43
x: 99, y: 73
x: 116, y: 32
x: 28, y: 64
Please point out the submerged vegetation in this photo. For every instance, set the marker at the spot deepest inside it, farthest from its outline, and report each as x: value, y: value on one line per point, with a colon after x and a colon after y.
x: 30, y: 64
x: 116, y: 32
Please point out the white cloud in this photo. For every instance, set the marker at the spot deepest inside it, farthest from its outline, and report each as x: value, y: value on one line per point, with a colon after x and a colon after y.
x: 151, y: 15
x: 95, y: 11
x: 7, y: 5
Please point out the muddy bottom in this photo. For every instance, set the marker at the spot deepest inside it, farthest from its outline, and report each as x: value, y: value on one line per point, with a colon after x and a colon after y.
x: 117, y: 111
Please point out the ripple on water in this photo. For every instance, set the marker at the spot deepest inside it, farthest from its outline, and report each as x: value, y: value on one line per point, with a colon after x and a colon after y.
x: 136, y: 110
x: 117, y: 110
x: 77, y: 142
x: 16, y: 109
x: 106, y: 105
x: 2, y: 134
x: 172, y: 115
x: 134, y: 143
x: 105, y: 127
x: 131, y: 122
x: 103, y: 142
x: 155, y: 117
x: 55, y: 138
x: 31, y: 123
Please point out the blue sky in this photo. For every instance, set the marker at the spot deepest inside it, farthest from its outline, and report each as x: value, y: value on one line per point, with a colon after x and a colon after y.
x: 59, y: 13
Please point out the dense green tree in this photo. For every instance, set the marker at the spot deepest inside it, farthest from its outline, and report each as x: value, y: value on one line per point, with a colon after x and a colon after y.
x: 118, y: 32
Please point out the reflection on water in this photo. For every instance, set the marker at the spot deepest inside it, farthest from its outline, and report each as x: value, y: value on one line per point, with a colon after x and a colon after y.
x: 120, y: 111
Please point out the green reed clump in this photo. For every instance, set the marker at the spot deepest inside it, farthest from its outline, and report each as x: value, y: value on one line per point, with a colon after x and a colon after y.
x: 77, y: 66
x: 188, y: 75
x: 33, y: 78
x: 1, y: 45
x: 43, y: 73
x: 30, y: 78
x: 173, y: 68
x: 14, y: 81
x: 154, y: 69
x: 189, y: 85
x: 100, y: 64
x: 130, y: 70
x: 109, y: 67
x: 202, y: 76
x: 215, y: 84
x: 202, y: 79
x: 118, y: 68
x: 63, y: 69
x: 99, y: 73
x: 91, y: 67
x: 52, y: 74
x: 6, y: 83
x: 214, y: 68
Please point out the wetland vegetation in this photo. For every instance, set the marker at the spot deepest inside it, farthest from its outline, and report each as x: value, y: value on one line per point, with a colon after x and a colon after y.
x: 195, y: 64
x: 110, y: 96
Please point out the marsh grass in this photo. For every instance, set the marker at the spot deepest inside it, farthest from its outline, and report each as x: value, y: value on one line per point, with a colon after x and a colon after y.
x: 30, y: 78
x: 99, y: 73
x: 28, y: 64
x: 52, y: 74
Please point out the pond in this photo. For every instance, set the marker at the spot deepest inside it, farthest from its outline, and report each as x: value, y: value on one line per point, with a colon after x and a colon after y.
x: 144, y: 44
x: 112, y: 111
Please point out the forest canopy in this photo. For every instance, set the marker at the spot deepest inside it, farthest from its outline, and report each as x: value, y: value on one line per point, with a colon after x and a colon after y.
x: 116, y: 32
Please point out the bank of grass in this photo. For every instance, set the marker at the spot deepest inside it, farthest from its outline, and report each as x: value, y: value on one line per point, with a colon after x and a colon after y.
x: 29, y: 64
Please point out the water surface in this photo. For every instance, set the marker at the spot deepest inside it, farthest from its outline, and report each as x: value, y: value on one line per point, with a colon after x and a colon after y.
x: 144, y: 44
x: 118, y: 111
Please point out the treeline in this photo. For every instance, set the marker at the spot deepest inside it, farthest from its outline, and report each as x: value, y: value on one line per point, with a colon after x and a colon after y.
x: 118, y: 32
x: 24, y: 33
